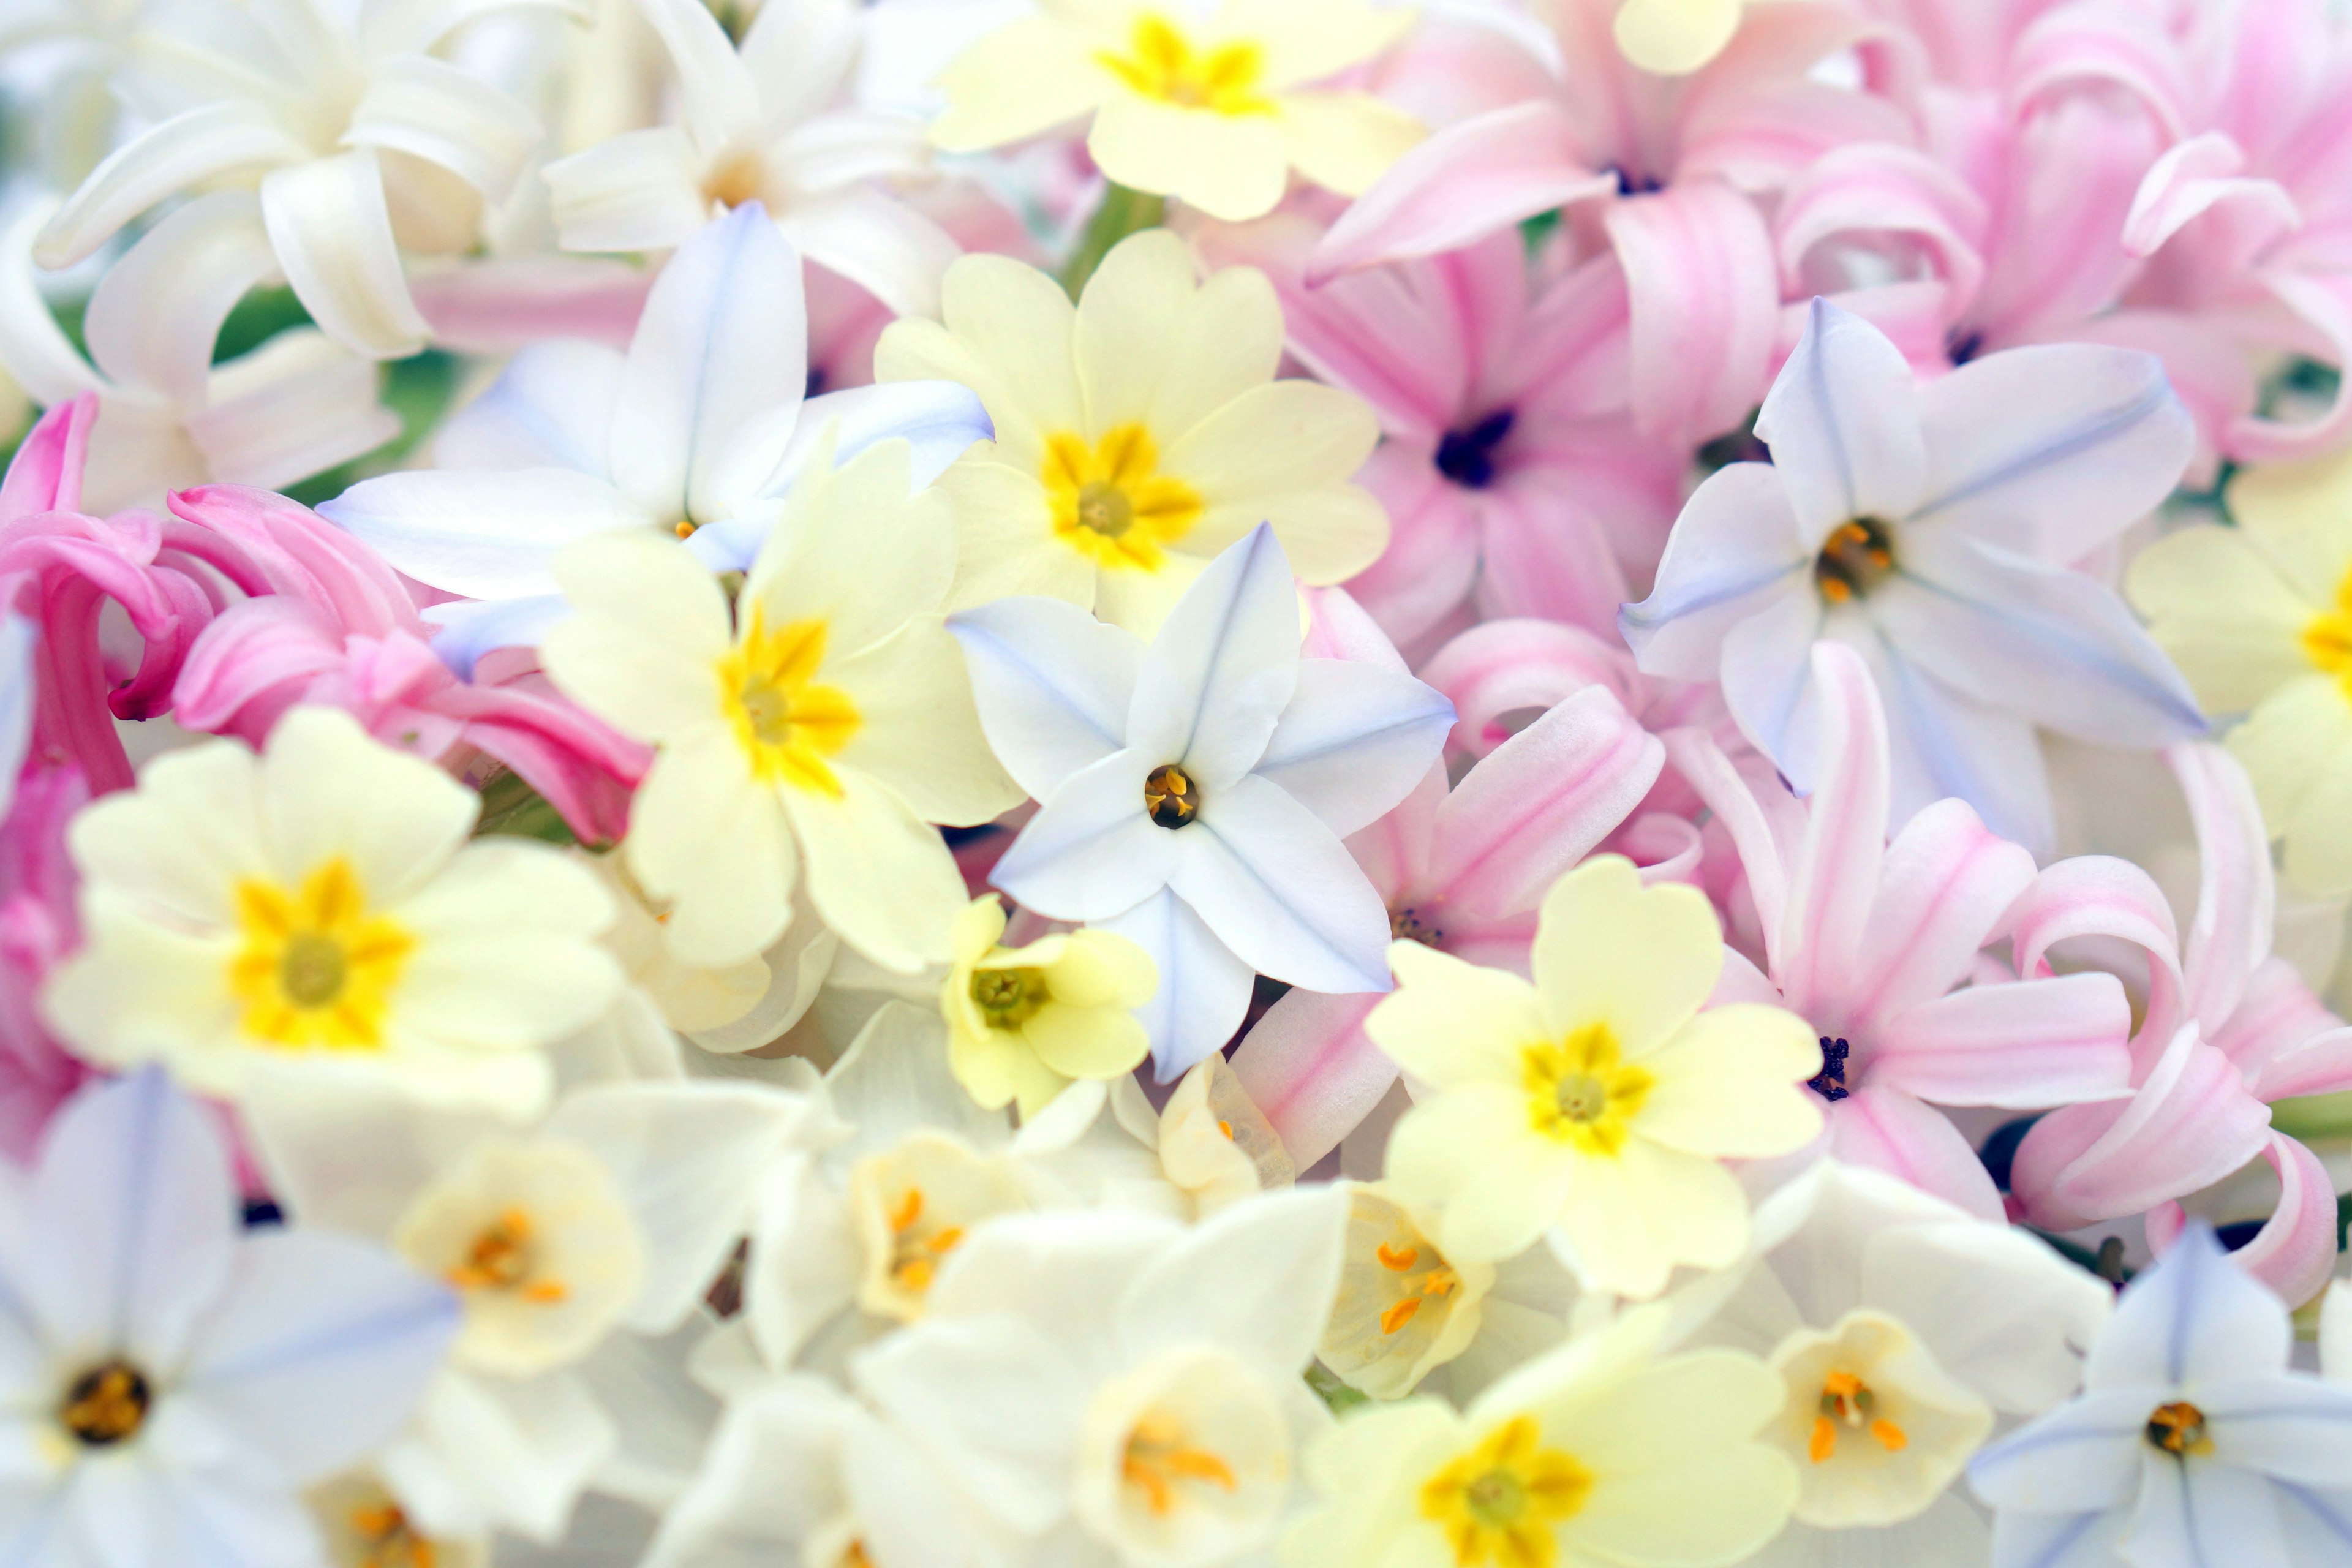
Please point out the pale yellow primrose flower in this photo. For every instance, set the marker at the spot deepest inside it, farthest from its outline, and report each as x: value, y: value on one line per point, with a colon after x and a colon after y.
x: 2258, y: 618
x: 1138, y: 434
x: 1597, y: 1102
x: 321, y: 901
x: 813, y: 733
x: 1212, y: 109
x: 1674, y: 37
x: 1597, y: 1453
x: 1023, y: 1023
x: 1404, y: 1308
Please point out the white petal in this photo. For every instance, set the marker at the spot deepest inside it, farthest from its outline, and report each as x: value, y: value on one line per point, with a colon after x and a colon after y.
x: 154, y: 317
x: 1259, y: 1278
x: 940, y: 419
x: 875, y: 241
x: 485, y: 535
x: 721, y: 103
x: 1354, y: 740
x: 877, y: 874
x: 1091, y: 852
x: 296, y: 406
x: 2085, y: 1454
x: 330, y: 790
x: 487, y: 1452
x: 2290, y: 1428
x: 2204, y: 1516
x: 431, y: 109
x: 550, y: 408
x: 1842, y: 425
x: 1053, y: 686
x: 321, y: 1348
x: 2195, y: 1317
x: 133, y: 1218
x: 332, y: 233
x: 1204, y: 988
x: 717, y: 370
x: 1735, y: 548
x: 191, y: 149
x: 1280, y: 889
x: 641, y: 190
x: 470, y: 630
x: 2051, y: 450
x: 1224, y: 667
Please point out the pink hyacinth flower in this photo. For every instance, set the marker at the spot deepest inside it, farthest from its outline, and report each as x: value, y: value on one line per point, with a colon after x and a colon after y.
x: 2229, y: 1030
x: 1667, y: 166
x: 1877, y: 944
x: 1511, y: 473
x: 39, y: 928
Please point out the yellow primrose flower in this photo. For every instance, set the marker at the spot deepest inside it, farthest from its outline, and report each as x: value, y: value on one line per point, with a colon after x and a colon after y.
x: 1023, y: 1022
x: 810, y: 731
x: 1597, y: 1454
x: 2258, y: 618
x: 1138, y: 434
x: 1597, y: 1102
x: 1404, y: 1308
x: 1212, y: 109
x: 1674, y: 37
x: 321, y: 901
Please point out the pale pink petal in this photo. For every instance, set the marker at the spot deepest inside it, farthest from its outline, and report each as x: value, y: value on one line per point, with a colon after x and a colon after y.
x: 1541, y: 554
x: 1539, y: 803
x: 46, y: 473
x: 1431, y: 559
x: 1766, y: 839
x: 2097, y: 896
x: 1462, y: 184
x: 2237, y: 892
x: 2321, y: 1064
x: 2078, y: 47
x: 1889, y: 194
x: 1836, y: 874
x: 2323, y: 302
x: 1947, y: 884
x: 1311, y: 1068
x: 2294, y: 1252
x: 1509, y: 666
x: 1888, y: 1130
x: 2028, y: 1045
x: 1705, y: 305
x: 2198, y: 178
x: 2190, y: 1124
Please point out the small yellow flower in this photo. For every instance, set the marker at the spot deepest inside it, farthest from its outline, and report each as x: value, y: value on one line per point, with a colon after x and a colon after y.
x: 1599, y: 1102
x: 1598, y: 1451
x: 2258, y: 618
x: 1022, y: 1023
x: 1674, y: 37
x: 1214, y: 112
x: 1138, y: 434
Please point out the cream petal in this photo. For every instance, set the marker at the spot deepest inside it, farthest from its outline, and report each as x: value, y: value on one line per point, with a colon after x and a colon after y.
x: 332, y: 233
x: 1607, y: 950
x: 328, y: 791
x: 880, y: 878
x: 704, y: 834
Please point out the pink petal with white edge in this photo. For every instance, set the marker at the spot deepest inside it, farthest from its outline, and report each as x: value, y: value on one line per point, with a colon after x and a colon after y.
x: 1461, y: 186
x: 46, y: 473
x: 2191, y: 1123
x: 2201, y: 176
x: 1889, y: 1131
x: 2096, y: 896
x: 1835, y: 877
x: 1706, y: 300
x: 1948, y: 882
x: 2237, y: 892
x: 1311, y: 1068
x: 2026, y: 1044
x: 2294, y: 1252
x: 1508, y: 666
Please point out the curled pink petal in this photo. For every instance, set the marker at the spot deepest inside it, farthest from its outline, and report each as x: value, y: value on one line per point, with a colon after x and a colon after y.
x: 1888, y: 1130
x: 2295, y: 1251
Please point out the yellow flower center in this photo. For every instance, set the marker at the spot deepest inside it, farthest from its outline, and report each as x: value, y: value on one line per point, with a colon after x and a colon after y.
x: 1847, y: 1400
x: 1008, y: 998
x: 738, y: 178
x: 316, y: 970
x: 106, y: 1405
x: 2327, y: 640
x: 2179, y: 1429
x: 1158, y: 1461
x: 916, y: 1248
x: 1580, y: 1092
x: 1413, y: 1287
x: 1161, y: 63
x: 788, y: 724
x: 1858, y: 557
x: 1170, y: 795
x: 1111, y: 503
x: 501, y: 1258
x: 1498, y: 1502
x: 387, y: 1539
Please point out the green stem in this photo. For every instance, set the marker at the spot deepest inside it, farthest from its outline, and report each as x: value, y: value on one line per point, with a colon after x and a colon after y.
x: 1123, y: 213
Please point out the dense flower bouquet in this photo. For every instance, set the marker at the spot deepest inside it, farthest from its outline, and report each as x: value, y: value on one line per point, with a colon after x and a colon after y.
x: 1140, y: 783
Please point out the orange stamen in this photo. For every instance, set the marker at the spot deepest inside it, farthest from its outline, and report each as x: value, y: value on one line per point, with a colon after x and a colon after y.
x: 1399, y: 1260
x: 1824, y: 1440
x: 1401, y: 1314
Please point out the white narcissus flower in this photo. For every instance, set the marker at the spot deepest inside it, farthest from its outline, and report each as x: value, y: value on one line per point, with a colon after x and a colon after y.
x: 1196, y: 791
x: 321, y: 900
x: 1904, y: 1328
x: 764, y: 122
x: 1137, y: 434
x: 169, y: 1381
x: 809, y: 732
x: 1935, y: 528
x: 1599, y: 1452
x: 1025, y: 1021
x: 1115, y: 1388
x: 1212, y: 106
x: 357, y: 138
x: 697, y: 432
x: 568, y: 1244
x: 1404, y: 1308
x: 168, y: 417
x: 1595, y: 1106
x: 2191, y: 1444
